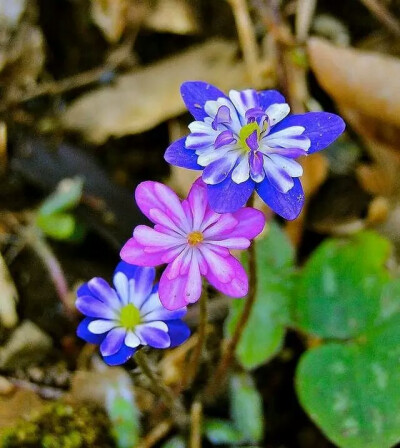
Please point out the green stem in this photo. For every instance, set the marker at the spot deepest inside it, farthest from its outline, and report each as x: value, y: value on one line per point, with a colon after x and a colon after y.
x: 173, y: 403
x: 214, y: 385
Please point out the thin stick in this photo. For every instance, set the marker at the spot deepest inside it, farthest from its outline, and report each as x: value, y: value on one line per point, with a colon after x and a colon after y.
x: 174, y: 404
x: 196, y: 414
x: 214, y: 385
x: 195, y: 359
x: 247, y: 39
x: 158, y: 433
x: 383, y: 15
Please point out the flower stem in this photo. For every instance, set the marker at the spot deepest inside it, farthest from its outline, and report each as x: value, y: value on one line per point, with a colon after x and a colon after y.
x: 195, y: 360
x: 214, y: 384
x: 177, y: 409
x: 196, y: 414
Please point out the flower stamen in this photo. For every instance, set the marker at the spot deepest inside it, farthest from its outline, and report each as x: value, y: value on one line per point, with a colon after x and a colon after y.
x: 129, y: 317
x: 195, y: 238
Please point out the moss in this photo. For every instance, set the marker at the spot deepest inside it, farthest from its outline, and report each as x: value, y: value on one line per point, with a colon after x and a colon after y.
x: 61, y: 425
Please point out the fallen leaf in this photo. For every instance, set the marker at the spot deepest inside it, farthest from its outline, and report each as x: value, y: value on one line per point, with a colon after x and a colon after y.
x: 27, y: 344
x: 365, y: 81
x: 8, y: 297
x: 110, y: 17
x: 140, y: 100
x: 19, y: 405
x: 173, y: 16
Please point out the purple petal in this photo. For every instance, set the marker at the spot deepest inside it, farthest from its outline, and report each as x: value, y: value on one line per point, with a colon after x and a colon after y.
x: 223, y: 117
x: 154, y: 337
x: 288, y: 205
x: 228, y: 196
x: 291, y: 153
x: 143, y: 286
x: 196, y: 93
x: 251, y: 223
x: 84, y: 333
x: 254, y: 114
x: 134, y: 253
x: 121, y: 357
x: 219, y: 170
x: 224, y: 138
x: 100, y: 289
x: 252, y: 141
x: 92, y: 307
x: 268, y: 97
x: 197, y: 199
x: 178, y: 332
x: 177, y: 155
x: 256, y: 162
x: 113, y: 341
x: 322, y: 128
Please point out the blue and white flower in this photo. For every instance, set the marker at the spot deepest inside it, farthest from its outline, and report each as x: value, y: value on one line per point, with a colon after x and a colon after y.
x: 247, y: 141
x: 121, y: 320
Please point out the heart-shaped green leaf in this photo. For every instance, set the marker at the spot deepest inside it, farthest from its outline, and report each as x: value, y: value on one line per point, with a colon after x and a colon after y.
x: 263, y: 335
x: 338, y: 295
x: 352, y: 390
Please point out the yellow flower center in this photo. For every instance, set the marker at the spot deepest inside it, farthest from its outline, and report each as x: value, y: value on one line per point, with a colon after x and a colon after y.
x: 194, y: 238
x: 245, y: 132
x: 129, y: 317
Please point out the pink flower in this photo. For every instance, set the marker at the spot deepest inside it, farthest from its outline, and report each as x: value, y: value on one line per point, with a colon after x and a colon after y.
x: 193, y: 240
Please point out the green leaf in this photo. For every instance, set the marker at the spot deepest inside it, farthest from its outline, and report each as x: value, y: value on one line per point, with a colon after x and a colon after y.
x: 246, y: 407
x: 175, y: 442
x: 352, y: 390
x: 222, y: 432
x: 263, y: 335
x: 66, y: 197
x: 123, y: 413
x: 338, y: 295
x: 60, y: 226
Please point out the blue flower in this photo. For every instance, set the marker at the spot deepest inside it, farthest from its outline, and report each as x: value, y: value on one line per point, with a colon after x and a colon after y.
x: 121, y: 320
x: 248, y: 141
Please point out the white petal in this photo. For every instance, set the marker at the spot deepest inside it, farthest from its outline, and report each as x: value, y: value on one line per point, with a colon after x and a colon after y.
x: 131, y: 340
x: 293, y: 168
x: 211, y: 108
x: 278, y: 178
x: 150, y: 304
x: 121, y: 284
x: 207, y: 157
x: 277, y: 112
x: 287, y: 142
x: 242, y: 171
x: 101, y: 326
x: 243, y: 101
x: 291, y: 131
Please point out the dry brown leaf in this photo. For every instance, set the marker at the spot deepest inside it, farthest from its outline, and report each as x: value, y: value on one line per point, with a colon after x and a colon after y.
x: 367, y: 82
x: 8, y: 297
x: 139, y: 101
x: 173, y: 16
x: 21, y: 404
x: 110, y: 17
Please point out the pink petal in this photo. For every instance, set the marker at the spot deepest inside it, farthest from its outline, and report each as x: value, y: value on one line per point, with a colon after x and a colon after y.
x: 134, y: 253
x: 150, y: 195
x: 146, y: 236
x: 223, y: 226
x: 226, y: 275
x: 180, y: 291
x: 232, y: 243
x: 251, y: 223
x: 198, y: 202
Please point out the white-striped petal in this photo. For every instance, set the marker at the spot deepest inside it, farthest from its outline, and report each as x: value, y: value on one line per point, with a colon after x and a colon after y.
x: 101, y: 326
x: 277, y: 112
x: 293, y: 168
x: 278, y: 178
x: 242, y: 171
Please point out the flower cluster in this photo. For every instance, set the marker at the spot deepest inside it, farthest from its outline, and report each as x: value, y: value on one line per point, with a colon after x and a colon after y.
x: 242, y: 142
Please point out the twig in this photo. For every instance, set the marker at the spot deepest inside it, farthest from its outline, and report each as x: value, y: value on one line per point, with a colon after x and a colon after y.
x: 174, y: 404
x: 196, y: 414
x: 304, y: 13
x: 247, y: 39
x: 214, y: 384
x: 383, y: 15
x: 195, y: 359
x: 159, y: 432
x: 47, y: 392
